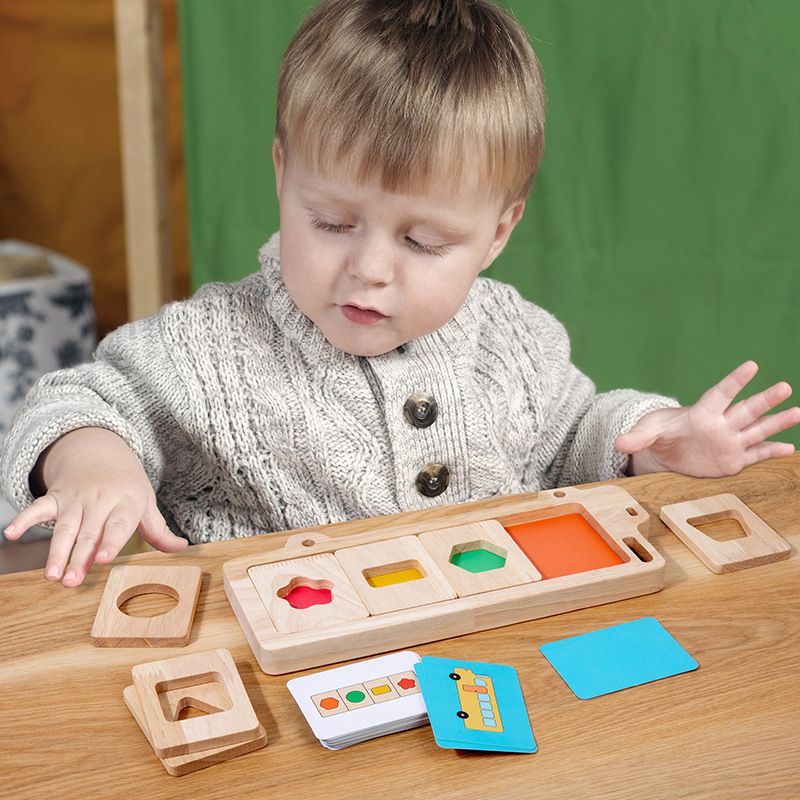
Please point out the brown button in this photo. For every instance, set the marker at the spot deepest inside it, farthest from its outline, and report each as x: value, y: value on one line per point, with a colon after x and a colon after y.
x: 421, y: 410
x: 433, y: 480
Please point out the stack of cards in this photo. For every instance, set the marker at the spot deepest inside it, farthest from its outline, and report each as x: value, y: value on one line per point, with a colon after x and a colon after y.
x: 351, y: 704
x: 475, y: 706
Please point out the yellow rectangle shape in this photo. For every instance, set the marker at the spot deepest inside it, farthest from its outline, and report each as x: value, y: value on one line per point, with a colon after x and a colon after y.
x: 391, y: 578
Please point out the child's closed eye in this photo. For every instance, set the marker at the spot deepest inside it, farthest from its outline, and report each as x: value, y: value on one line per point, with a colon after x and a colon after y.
x: 340, y: 227
x: 331, y: 227
x: 427, y: 249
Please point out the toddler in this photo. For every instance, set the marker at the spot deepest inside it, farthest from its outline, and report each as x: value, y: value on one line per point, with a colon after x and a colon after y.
x: 366, y: 369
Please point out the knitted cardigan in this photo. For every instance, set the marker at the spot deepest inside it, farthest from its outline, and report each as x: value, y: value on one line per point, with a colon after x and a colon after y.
x: 247, y: 420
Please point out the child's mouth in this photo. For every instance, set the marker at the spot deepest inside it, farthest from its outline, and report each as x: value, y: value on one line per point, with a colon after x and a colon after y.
x: 362, y: 316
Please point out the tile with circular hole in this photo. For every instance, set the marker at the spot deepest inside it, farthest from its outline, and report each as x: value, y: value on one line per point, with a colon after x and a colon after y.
x: 479, y: 557
x: 394, y: 574
x: 306, y: 593
x: 114, y: 628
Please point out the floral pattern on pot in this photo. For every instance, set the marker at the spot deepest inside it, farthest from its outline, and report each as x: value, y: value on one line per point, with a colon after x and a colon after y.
x: 46, y: 323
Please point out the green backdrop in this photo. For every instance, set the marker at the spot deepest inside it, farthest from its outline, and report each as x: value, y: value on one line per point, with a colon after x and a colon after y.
x: 664, y: 225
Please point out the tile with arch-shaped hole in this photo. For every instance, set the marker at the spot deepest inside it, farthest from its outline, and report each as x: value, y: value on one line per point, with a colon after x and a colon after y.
x: 479, y: 557
x: 230, y: 718
x: 305, y: 593
x: 191, y: 762
x: 114, y: 628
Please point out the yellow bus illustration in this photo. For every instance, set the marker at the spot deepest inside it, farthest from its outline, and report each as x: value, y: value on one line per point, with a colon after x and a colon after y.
x: 479, y: 708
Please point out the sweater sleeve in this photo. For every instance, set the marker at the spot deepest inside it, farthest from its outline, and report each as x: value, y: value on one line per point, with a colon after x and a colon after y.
x: 579, y: 426
x: 124, y: 389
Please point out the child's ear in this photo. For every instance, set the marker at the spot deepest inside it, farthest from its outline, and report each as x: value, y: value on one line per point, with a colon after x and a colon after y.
x: 506, y: 224
x: 277, y: 161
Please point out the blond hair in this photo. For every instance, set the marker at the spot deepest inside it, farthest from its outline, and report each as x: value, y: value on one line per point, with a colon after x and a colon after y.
x: 414, y: 91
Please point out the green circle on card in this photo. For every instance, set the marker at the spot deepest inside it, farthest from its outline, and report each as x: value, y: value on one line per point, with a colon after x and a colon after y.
x: 355, y: 696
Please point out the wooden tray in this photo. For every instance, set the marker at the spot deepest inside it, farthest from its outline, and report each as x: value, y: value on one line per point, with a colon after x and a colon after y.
x: 406, y: 584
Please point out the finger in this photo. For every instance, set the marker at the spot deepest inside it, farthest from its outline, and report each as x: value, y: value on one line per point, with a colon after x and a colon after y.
x: 119, y: 527
x: 720, y: 396
x: 43, y: 509
x: 153, y: 529
x: 769, y: 426
x: 86, y: 544
x: 748, y: 411
x: 64, y: 534
x: 765, y: 450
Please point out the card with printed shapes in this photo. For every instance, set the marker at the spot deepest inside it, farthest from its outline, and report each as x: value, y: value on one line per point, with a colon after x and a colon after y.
x: 360, y: 701
x: 475, y: 706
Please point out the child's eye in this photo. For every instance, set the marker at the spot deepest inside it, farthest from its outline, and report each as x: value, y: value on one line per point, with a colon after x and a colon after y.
x: 329, y: 226
x: 428, y: 249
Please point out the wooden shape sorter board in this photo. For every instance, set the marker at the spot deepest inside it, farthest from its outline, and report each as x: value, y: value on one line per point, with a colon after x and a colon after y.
x: 612, y: 515
x: 113, y: 628
x: 760, y: 544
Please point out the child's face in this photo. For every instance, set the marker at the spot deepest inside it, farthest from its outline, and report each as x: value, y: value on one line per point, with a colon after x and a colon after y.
x: 375, y: 269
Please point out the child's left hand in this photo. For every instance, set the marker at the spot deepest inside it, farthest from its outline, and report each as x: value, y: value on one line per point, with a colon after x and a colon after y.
x: 712, y: 437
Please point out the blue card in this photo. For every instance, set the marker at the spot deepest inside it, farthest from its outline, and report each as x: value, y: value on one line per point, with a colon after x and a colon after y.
x: 617, y: 658
x: 475, y: 706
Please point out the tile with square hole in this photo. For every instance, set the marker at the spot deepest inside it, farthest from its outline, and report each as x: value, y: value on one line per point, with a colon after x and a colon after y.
x: 760, y: 544
x: 113, y: 628
x: 479, y: 557
x: 170, y: 736
x: 307, y: 593
x: 393, y: 575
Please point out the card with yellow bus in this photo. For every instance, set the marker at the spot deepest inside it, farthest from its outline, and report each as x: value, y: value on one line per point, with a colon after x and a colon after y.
x: 475, y: 706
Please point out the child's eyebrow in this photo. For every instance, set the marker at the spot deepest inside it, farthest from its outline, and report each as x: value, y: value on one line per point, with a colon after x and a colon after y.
x: 313, y: 192
x: 441, y: 226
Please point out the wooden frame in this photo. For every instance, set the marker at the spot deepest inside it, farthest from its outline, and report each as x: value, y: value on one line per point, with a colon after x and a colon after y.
x: 321, y: 571
x: 235, y: 724
x: 442, y: 542
x: 614, y: 514
x: 191, y: 762
x: 760, y: 545
x: 113, y: 628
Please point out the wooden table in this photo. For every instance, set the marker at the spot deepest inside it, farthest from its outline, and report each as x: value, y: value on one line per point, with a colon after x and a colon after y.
x: 728, y: 730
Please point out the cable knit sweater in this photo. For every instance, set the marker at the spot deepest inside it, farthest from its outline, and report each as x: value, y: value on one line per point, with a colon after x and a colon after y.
x: 247, y: 420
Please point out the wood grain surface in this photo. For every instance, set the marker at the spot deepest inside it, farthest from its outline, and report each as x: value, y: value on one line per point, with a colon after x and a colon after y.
x: 728, y: 730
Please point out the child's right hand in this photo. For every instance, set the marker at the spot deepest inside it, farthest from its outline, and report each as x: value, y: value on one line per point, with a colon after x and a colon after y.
x: 99, y: 495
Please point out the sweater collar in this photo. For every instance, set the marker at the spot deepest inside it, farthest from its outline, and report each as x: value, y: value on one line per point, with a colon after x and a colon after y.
x: 458, y: 334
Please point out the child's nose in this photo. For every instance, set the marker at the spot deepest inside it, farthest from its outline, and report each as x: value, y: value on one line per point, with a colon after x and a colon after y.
x: 371, y: 262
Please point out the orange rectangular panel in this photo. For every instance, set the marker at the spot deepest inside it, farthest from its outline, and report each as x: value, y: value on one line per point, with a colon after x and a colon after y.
x: 563, y: 545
